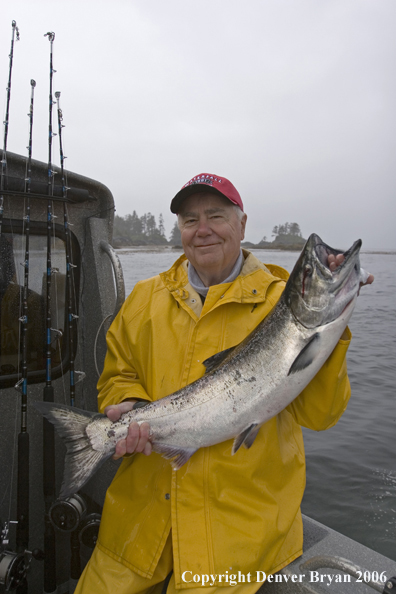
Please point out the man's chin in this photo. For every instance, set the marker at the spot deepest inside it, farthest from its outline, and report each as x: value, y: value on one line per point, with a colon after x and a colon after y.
x: 207, y: 261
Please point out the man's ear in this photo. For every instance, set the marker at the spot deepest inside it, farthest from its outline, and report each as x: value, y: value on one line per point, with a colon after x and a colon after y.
x: 243, y: 226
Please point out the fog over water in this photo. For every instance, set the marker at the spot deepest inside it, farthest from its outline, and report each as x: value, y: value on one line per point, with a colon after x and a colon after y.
x: 293, y: 100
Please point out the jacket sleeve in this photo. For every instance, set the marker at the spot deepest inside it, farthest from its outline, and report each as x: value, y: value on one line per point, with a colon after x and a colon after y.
x: 324, y: 400
x: 119, y: 380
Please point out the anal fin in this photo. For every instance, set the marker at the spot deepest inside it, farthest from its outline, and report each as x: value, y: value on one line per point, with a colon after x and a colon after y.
x: 246, y: 438
x: 179, y: 456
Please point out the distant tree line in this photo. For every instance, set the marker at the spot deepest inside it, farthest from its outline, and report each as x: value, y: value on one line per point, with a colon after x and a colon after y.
x: 134, y: 230
x: 287, y: 229
x: 286, y: 236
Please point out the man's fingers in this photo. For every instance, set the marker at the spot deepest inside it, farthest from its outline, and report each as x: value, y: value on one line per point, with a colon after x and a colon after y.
x: 335, y: 261
x: 331, y: 261
x: 148, y: 448
x: 143, y: 437
x: 137, y: 441
x: 114, y: 411
x: 369, y: 281
x: 120, y: 450
x: 132, y: 439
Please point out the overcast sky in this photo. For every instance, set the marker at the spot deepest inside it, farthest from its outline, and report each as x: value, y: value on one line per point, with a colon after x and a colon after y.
x: 292, y: 100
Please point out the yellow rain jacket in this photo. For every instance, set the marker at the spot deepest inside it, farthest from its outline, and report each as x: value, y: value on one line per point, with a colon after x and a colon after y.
x: 227, y: 513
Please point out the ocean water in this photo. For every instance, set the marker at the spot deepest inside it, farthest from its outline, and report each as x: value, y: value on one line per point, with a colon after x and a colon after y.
x: 351, y: 468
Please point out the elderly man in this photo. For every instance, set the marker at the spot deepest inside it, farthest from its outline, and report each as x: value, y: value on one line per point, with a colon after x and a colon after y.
x: 219, y: 515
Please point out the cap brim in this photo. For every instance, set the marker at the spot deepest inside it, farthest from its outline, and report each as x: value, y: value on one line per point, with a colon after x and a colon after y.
x: 189, y: 191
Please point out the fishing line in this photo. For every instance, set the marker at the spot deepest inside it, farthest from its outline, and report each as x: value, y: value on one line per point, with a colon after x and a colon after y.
x: 15, y: 33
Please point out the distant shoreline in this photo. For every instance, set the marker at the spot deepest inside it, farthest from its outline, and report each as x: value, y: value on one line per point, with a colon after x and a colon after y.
x: 163, y: 248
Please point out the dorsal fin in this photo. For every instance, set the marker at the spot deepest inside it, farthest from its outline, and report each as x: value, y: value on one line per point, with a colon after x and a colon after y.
x: 216, y: 360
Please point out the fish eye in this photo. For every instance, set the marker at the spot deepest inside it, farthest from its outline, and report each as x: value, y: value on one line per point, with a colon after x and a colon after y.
x: 308, y: 270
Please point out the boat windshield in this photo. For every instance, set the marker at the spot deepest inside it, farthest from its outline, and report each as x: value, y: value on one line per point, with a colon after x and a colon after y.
x: 12, y: 270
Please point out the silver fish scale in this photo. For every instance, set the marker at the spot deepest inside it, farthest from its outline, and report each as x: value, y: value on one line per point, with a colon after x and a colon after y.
x: 229, y: 399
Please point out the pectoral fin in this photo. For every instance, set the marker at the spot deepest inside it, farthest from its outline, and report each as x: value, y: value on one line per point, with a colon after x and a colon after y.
x: 216, y: 360
x: 307, y: 355
x: 246, y: 438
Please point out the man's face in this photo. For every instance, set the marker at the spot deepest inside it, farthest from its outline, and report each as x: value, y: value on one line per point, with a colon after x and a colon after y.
x: 211, y: 234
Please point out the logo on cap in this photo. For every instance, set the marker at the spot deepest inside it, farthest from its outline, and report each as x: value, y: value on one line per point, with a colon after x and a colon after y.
x: 203, y: 179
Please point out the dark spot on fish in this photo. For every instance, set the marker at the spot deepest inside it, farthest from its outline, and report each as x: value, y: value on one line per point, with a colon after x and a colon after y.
x: 110, y: 433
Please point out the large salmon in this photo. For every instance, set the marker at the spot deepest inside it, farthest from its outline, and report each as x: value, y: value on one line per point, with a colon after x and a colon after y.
x: 243, y: 386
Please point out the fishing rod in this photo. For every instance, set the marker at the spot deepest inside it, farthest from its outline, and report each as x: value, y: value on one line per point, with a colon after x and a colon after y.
x: 71, y: 316
x: 14, y: 567
x: 15, y: 33
x: 76, y: 505
x: 23, y: 487
x: 48, y: 392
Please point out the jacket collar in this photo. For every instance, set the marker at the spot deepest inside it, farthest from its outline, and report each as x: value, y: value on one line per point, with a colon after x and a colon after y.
x: 249, y: 287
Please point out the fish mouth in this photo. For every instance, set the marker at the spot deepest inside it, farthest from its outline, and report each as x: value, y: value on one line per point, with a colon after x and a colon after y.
x: 343, y: 281
x: 319, y: 295
x: 322, y: 252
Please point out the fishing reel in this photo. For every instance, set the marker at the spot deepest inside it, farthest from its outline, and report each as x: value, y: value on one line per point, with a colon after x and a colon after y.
x: 13, y: 569
x: 14, y: 566
x: 67, y: 514
x: 70, y: 514
x: 89, y: 530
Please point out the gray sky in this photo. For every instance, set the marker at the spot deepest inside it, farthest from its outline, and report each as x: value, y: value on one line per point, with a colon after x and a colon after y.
x: 292, y: 100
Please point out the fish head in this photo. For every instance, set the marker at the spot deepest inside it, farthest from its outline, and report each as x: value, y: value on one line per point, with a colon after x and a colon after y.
x: 317, y: 295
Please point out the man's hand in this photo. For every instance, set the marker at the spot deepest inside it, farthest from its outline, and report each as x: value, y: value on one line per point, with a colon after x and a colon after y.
x: 137, y: 440
x: 335, y: 261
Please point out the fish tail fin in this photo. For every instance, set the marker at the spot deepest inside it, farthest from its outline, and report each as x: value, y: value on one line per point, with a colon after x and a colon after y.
x: 81, y: 459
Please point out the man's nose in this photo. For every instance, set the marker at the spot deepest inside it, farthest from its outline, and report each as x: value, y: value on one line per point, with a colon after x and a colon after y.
x: 203, y: 227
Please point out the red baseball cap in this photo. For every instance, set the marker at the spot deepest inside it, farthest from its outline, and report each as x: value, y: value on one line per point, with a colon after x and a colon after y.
x: 206, y: 182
